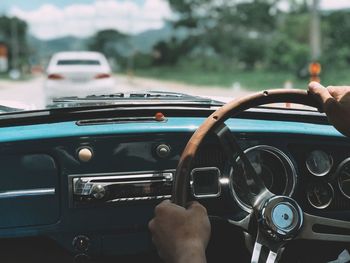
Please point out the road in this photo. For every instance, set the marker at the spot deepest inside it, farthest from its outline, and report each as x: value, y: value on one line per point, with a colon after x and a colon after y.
x: 31, y: 92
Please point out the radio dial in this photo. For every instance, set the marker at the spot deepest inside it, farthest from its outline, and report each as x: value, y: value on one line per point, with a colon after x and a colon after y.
x: 163, y: 150
x: 98, y: 191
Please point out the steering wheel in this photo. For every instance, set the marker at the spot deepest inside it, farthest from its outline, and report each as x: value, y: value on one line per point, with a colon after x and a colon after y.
x: 279, y: 218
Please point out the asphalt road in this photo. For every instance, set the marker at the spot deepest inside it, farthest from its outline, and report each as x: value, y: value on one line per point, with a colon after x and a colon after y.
x: 31, y: 93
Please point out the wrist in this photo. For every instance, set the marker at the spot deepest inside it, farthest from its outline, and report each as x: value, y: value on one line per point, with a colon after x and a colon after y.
x: 193, y: 252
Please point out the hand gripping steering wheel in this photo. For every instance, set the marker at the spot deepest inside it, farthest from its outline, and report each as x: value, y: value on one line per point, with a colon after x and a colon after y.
x: 279, y: 218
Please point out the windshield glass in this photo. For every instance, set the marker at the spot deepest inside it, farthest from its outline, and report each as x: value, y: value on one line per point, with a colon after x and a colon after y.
x: 51, y: 50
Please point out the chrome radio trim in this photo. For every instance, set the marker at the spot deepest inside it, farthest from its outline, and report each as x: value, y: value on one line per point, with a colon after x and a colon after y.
x: 88, y: 181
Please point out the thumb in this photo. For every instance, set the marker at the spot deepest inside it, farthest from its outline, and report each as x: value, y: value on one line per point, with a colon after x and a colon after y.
x: 319, y: 91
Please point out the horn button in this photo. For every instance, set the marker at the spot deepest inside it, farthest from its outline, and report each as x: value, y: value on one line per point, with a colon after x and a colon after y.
x: 281, y: 217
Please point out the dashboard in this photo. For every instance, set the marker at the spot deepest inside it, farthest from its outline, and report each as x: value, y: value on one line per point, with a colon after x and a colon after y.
x: 92, y: 188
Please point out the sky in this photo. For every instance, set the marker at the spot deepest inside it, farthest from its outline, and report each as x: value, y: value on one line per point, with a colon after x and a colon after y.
x: 81, y: 18
x: 50, y: 19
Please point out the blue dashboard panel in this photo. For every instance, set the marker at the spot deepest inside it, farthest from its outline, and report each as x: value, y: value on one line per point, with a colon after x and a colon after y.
x: 173, y: 124
x: 119, y: 149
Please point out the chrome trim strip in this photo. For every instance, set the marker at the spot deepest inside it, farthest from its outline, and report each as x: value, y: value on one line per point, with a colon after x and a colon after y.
x: 118, y: 177
x: 27, y: 193
x: 122, y: 175
x: 218, y: 174
x: 130, y: 199
x: 256, y: 252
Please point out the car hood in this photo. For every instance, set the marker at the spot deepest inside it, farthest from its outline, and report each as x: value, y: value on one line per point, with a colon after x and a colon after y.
x: 11, y: 106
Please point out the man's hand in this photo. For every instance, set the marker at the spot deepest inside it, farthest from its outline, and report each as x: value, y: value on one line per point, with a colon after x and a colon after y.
x: 180, y: 234
x: 336, y: 104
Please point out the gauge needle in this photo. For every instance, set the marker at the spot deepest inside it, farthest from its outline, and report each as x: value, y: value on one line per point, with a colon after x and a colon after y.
x: 317, y: 196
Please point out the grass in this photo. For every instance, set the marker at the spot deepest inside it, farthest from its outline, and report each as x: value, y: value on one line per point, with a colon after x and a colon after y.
x: 251, y: 80
x: 336, y: 77
x: 5, y: 76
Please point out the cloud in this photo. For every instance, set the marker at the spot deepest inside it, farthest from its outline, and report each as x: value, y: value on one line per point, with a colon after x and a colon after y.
x: 50, y: 21
x: 333, y: 5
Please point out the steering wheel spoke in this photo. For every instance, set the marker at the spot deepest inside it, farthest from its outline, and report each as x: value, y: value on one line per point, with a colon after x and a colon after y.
x: 243, y: 223
x: 324, y: 229
x: 266, y: 250
x: 253, y: 183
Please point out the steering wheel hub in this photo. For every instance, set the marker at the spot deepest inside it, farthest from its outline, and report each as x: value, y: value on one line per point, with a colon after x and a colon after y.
x: 282, y: 216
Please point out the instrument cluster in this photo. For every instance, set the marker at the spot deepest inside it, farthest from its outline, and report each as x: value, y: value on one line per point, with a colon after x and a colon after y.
x: 328, y: 179
x: 315, y: 175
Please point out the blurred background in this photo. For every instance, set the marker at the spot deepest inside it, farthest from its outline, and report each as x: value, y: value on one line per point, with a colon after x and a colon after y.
x: 206, y: 47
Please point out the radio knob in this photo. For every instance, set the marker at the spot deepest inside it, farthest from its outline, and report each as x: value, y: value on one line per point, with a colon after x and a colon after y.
x: 85, y: 154
x: 81, y: 243
x: 98, y: 191
x: 163, y: 150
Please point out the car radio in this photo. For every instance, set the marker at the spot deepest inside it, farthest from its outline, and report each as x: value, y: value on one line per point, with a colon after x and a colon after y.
x: 120, y: 187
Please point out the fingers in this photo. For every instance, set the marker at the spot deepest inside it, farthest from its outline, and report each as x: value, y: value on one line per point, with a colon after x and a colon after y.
x: 196, y: 207
x: 323, y: 94
x: 151, y: 225
x: 320, y: 91
x: 167, y: 206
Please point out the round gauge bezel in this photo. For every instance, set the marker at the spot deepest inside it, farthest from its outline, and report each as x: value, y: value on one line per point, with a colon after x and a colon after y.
x: 279, y: 155
x: 324, y: 173
x: 340, y: 167
x: 327, y: 204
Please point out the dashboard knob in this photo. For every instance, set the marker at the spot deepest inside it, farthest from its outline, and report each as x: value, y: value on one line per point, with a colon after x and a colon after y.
x: 85, y: 154
x: 81, y: 243
x: 163, y: 150
x: 98, y: 191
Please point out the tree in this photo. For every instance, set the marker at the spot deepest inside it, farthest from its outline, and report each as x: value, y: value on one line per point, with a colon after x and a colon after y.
x: 113, y: 44
x: 289, y: 46
x: 13, y: 33
x: 169, y: 52
x: 336, y: 38
x: 234, y: 30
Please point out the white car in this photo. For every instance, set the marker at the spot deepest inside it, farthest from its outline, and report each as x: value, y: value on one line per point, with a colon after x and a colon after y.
x: 78, y: 74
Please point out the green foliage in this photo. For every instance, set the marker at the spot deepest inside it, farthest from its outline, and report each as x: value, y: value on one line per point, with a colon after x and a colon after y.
x: 169, y: 52
x: 113, y: 45
x: 285, y: 54
x: 228, y: 30
x: 9, y: 28
x: 289, y: 49
x: 142, y: 60
x: 225, y: 77
x: 336, y: 39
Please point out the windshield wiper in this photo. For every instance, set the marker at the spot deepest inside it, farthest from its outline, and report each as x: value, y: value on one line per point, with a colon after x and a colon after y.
x: 5, y: 109
x: 129, y: 95
x: 90, y: 97
x: 132, y: 98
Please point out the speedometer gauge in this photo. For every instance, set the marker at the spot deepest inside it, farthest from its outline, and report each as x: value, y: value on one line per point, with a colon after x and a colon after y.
x: 320, y: 194
x: 272, y: 165
x: 343, y: 174
x: 319, y: 163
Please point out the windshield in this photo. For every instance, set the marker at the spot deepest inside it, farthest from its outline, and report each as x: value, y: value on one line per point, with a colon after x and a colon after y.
x: 55, y: 52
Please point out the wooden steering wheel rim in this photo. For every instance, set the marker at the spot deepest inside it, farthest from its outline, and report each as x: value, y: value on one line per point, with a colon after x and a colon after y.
x: 231, y: 109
